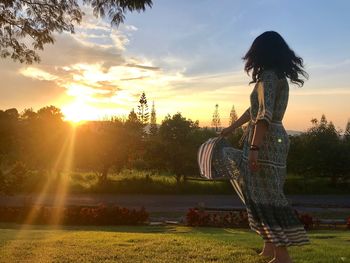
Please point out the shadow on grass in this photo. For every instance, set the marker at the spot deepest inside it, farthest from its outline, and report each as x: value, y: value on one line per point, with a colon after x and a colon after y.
x: 315, y: 234
x: 211, y: 232
x: 120, y: 229
x: 323, y: 237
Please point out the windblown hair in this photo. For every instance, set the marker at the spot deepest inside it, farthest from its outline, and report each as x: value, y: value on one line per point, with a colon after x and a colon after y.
x: 270, y: 51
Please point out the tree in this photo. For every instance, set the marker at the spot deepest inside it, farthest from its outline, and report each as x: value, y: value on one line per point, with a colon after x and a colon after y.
x: 178, y: 149
x: 318, y: 151
x: 235, y: 137
x: 233, y: 115
x: 42, y: 136
x: 216, y: 118
x: 12, y: 114
x: 134, y: 137
x: 347, y: 132
x: 143, y: 113
x: 50, y: 113
x: 134, y: 124
x: 346, y: 151
x: 38, y: 20
x: 12, y: 180
x: 153, y: 128
x: 132, y: 117
x: 9, y: 128
x: 29, y: 114
x: 101, y: 146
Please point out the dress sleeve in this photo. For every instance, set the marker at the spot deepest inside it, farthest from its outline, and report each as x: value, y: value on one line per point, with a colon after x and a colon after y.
x: 266, y: 97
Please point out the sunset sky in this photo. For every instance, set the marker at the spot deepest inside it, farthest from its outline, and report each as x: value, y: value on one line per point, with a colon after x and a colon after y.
x: 186, y: 56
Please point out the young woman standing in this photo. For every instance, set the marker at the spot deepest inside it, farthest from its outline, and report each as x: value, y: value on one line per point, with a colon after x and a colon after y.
x: 263, y: 169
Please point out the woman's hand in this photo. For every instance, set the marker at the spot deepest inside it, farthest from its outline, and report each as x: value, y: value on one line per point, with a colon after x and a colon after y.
x: 253, y: 161
x: 227, y: 131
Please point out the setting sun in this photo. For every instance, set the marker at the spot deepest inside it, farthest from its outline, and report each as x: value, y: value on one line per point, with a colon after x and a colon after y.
x: 79, y: 112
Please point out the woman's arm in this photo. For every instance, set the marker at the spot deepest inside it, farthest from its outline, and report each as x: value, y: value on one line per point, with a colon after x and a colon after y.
x: 266, y: 97
x: 245, y: 117
x: 260, y: 129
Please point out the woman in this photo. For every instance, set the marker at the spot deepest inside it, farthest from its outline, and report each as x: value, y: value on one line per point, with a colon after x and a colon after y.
x: 263, y: 168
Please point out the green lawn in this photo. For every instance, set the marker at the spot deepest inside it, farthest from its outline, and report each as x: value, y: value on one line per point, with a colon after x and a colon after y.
x: 156, y: 244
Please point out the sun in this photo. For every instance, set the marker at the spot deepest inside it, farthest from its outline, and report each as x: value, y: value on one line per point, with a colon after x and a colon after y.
x: 78, y: 112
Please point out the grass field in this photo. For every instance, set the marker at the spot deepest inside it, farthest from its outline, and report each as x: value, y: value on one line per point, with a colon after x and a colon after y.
x: 156, y: 244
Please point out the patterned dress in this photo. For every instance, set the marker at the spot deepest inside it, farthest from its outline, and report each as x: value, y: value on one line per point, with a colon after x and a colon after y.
x: 268, y: 210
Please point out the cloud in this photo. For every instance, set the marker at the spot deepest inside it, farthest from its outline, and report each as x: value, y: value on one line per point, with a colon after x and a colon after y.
x: 135, y: 78
x: 318, y: 92
x: 142, y: 66
x: 36, y: 73
x: 129, y: 27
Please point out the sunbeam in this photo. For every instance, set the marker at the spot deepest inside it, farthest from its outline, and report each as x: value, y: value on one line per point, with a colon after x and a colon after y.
x: 44, y: 191
x: 62, y: 186
x: 65, y: 156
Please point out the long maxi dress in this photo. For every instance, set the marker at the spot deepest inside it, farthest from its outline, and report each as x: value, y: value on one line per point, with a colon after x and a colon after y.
x: 269, y: 212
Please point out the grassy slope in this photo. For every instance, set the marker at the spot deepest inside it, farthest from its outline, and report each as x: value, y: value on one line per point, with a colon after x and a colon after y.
x: 156, y: 244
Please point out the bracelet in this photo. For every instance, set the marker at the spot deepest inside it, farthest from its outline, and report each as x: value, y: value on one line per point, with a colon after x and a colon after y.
x: 254, y: 147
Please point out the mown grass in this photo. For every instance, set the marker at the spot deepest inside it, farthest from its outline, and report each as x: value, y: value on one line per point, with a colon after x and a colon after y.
x: 156, y: 244
x: 144, y: 182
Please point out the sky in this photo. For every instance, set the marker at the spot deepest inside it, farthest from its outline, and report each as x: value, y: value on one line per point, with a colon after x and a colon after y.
x: 186, y: 56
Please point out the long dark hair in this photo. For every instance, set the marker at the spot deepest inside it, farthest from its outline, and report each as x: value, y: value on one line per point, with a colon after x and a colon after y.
x: 270, y: 51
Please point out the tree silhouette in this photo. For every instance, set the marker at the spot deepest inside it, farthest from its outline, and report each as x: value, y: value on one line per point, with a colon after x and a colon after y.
x: 41, y: 135
x: 347, y: 131
x: 29, y: 114
x: 8, y: 135
x: 178, y: 147
x: 346, y: 151
x: 233, y: 115
x: 116, y: 9
x: 50, y: 113
x: 320, y: 149
x: 153, y: 128
x: 32, y: 141
x: 143, y: 113
x: 38, y: 20
x: 216, y: 118
x: 133, y: 116
x: 236, y: 136
x: 101, y: 146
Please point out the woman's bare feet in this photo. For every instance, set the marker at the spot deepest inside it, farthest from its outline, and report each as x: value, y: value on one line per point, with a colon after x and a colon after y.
x: 268, y: 250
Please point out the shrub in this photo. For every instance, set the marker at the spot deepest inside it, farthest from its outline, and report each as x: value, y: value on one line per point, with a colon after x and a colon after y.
x: 196, y: 217
x: 75, y: 215
x: 13, y: 179
x: 305, y: 219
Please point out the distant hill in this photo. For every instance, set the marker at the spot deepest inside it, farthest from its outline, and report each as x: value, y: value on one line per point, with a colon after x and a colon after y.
x: 293, y: 133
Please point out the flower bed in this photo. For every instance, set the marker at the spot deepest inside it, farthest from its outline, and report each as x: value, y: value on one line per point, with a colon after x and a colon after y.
x: 197, y: 217
x: 217, y: 218
x: 74, y: 215
x: 306, y: 219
